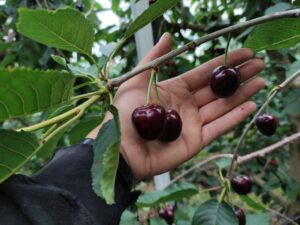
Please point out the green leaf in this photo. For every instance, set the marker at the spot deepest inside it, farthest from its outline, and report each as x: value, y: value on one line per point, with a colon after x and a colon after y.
x: 84, y: 71
x: 157, y: 221
x: 281, y: 6
x: 252, y: 203
x: 278, y: 34
x: 292, y: 109
x: 115, y: 5
x: 65, y: 29
x: 25, y: 91
x: 16, y: 148
x: 129, y: 218
x: 223, y: 163
x: 83, y: 127
x: 4, y: 46
x: 258, y: 219
x: 175, y: 192
x: 60, y: 60
x: 152, y: 13
x: 213, y: 212
x: 106, y: 158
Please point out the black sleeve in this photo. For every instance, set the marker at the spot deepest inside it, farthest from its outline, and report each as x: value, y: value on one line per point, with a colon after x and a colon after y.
x: 61, y: 193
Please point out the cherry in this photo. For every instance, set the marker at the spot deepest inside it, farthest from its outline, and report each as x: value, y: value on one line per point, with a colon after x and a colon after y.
x: 167, y: 213
x: 149, y: 121
x: 273, y: 162
x: 225, y: 81
x: 240, y: 215
x: 173, y: 126
x: 151, y: 2
x: 241, y: 184
x: 267, y: 124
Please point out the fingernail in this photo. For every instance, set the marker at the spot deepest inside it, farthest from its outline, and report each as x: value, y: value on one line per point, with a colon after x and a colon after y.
x: 165, y: 35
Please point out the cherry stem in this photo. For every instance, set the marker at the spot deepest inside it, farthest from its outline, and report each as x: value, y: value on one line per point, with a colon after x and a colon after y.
x: 227, y: 48
x: 150, y: 86
x: 156, y: 89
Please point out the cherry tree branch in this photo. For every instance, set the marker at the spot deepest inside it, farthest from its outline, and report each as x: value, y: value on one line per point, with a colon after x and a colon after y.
x: 193, y: 44
x: 240, y: 159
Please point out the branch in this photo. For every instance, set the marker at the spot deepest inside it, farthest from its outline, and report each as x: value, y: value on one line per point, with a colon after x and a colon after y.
x: 240, y: 159
x: 191, y: 45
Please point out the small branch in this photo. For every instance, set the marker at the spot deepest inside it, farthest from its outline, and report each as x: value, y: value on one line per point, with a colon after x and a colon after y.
x: 61, y: 117
x: 194, y: 27
x: 270, y: 98
x: 191, y: 45
x: 269, y: 149
x: 240, y: 159
x: 197, y: 166
x: 282, y: 216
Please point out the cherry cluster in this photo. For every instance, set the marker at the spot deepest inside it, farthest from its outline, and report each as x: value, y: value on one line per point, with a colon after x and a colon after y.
x: 167, y: 213
x: 153, y: 122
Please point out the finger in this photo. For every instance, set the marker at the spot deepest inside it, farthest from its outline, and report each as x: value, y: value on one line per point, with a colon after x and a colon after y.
x: 199, y: 76
x: 221, y: 125
x: 162, y: 47
x: 250, y: 69
x: 221, y: 106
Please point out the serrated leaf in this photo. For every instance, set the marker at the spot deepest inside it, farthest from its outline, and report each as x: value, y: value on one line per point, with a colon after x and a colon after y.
x: 252, y: 203
x: 223, y: 163
x: 281, y: 6
x: 83, y: 71
x: 60, y: 60
x: 106, y: 158
x: 152, y: 13
x: 16, y: 148
x: 83, y: 127
x: 65, y: 29
x: 25, y: 91
x: 213, y: 212
x: 278, y: 34
x: 128, y: 218
x: 173, y: 193
x: 292, y: 108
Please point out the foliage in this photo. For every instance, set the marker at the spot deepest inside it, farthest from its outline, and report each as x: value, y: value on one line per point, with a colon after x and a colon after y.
x: 48, y: 64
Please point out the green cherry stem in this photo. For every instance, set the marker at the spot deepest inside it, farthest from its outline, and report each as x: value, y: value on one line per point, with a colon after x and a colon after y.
x: 226, y: 50
x: 156, y: 89
x: 150, y: 86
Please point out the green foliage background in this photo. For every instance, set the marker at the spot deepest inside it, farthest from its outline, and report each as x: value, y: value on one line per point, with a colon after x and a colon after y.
x: 185, y: 22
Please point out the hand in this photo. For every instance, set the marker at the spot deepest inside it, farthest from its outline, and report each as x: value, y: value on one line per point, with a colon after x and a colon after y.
x: 204, y: 116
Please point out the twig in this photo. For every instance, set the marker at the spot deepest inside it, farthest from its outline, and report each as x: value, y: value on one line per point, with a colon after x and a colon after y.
x: 240, y: 159
x: 198, y: 165
x: 282, y: 216
x: 191, y: 45
x: 270, y: 98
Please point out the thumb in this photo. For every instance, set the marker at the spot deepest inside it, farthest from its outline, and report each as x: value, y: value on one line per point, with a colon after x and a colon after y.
x: 163, y: 46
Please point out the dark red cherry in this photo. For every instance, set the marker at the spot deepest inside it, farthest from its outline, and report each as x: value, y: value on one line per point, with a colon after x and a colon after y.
x: 241, y: 184
x: 240, y: 215
x: 225, y: 81
x: 173, y: 126
x: 149, y: 121
x: 267, y: 124
x: 167, y: 213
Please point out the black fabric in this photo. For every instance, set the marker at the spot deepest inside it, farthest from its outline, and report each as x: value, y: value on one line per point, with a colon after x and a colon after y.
x: 61, y: 193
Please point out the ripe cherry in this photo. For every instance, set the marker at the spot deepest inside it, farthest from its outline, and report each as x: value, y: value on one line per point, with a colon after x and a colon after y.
x: 173, y: 126
x: 267, y: 124
x: 149, y: 121
x: 167, y: 213
x: 225, y: 81
x: 241, y: 184
x: 240, y: 215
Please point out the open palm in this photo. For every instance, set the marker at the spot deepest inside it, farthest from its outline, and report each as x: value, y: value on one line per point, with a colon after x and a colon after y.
x: 204, y: 117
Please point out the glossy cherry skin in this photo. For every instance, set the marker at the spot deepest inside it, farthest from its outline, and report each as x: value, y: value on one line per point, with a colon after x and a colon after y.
x: 267, y: 124
x: 225, y: 81
x: 149, y: 121
x: 241, y: 184
x: 240, y: 215
x: 173, y: 126
x: 167, y: 213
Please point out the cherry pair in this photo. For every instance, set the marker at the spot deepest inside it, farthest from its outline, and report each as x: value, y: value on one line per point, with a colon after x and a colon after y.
x: 167, y: 213
x: 153, y: 122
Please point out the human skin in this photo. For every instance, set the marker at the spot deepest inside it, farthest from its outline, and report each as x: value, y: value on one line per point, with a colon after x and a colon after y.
x: 204, y: 116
